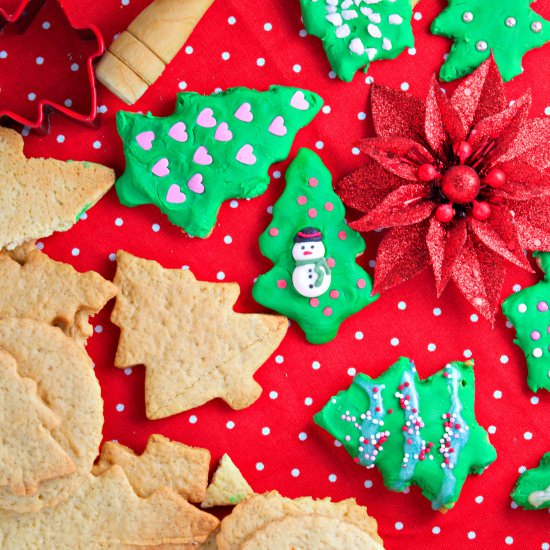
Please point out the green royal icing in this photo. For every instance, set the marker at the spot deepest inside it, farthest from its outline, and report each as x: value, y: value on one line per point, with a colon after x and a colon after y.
x: 529, y: 311
x: 407, y: 427
x: 508, y: 28
x: 354, y: 34
x: 532, y: 490
x: 309, y: 202
x: 211, y: 149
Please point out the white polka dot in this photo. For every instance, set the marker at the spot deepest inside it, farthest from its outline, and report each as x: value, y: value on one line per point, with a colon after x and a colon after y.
x: 394, y: 342
x: 332, y: 478
x: 302, y: 436
x: 516, y: 288
x: 128, y: 371
x: 155, y: 227
x: 492, y: 429
x: 537, y: 353
x: 46, y: 25
x: 412, y: 51
x: 226, y: 56
x: 277, y: 174
x: 231, y: 20
x: 297, y: 68
x: 279, y: 359
x: 479, y: 499
x: 125, y: 2
x: 436, y: 530
x: 189, y: 50
x: 467, y: 353
x: 535, y: 400
x: 522, y: 308
x: 75, y: 251
x: 497, y: 394
x: 96, y: 144
x: 268, y: 27
x: 302, y: 33
x: 60, y: 138
x: 332, y: 75
x: 399, y: 525
x: 545, y: 546
x: 260, y: 466
x: 504, y: 359
x: 521, y: 469
x: 547, y: 111
x: 352, y: 371
x: 405, y: 86
x: 319, y: 144
x: 402, y: 306
x: 119, y: 407
x: 369, y: 80
x: 228, y: 239
x: 474, y: 318
x: 102, y: 109
x: 326, y: 109
x: 359, y: 335
x: 431, y: 347
x: 260, y: 61
x: 308, y: 401
x: 368, y: 484
x: 417, y: 16
x: 230, y: 424
x: 98, y: 329
x: 31, y: 96
x: 513, y: 505
x: 39, y: 60
x: 220, y: 275
x: 509, y: 540
x: 119, y: 222
x: 355, y: 150
x: 40, y: 245
x: 362, y: 115
x: 471, y: 535
x: 266, y: 430
x: 3, y: 54
x: 528, y: 436
x: 75, y: 67
x: 273, y: 395
x: 315, y: 365
x: 234, y: 203
x: 295, y: 472
x: 219, y: 91
x: 192, y: 419
x: 69, y: 102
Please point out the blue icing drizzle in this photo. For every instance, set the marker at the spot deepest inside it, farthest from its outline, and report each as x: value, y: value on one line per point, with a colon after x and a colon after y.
x: 413, y: 445
x: 455, y: 438
x: 372, y: 420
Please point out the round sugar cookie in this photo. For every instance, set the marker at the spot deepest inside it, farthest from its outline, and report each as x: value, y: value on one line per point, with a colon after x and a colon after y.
x: 66, y: 382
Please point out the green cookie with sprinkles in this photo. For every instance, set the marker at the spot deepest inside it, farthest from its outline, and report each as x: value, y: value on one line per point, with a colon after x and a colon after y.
x: 529, y: 311
x: 532, y: 490
x: 421, y: 432
x: 355, y: 33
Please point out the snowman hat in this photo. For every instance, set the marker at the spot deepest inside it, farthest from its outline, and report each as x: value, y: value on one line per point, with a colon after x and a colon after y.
x: 308, y: 235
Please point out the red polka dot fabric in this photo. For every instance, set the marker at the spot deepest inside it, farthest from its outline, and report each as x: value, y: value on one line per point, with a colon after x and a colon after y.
x: 274, y: 442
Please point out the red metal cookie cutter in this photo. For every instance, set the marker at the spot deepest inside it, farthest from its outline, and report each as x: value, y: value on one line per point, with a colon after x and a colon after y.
x: 19, y: 15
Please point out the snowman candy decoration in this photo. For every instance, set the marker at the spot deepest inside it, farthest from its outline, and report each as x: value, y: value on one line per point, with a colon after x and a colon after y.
x: 311, y: 276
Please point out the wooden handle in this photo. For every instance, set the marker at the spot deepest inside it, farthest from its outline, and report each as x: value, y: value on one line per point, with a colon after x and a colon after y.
x: 140, y: 54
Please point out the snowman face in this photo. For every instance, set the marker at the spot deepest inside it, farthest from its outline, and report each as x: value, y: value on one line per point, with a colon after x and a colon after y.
x: 308, y: 251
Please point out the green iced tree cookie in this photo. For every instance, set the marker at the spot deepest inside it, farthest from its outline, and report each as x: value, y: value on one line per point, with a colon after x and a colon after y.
x: 508, y: 28
x: 212, y: 148
x: 415, y: 432
x: 529, y: 311
x: 354, y: 34
x: 315, y: 280
x: 532, y: 490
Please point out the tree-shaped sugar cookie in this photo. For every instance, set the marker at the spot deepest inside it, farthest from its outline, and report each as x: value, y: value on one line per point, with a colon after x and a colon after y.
x: 315, y: 280
x: 415, y: 432
x: 212, y: 148
x: 195, y: 348
x: 532, y: 490
x: 28, y: 453
x: 529, y: 311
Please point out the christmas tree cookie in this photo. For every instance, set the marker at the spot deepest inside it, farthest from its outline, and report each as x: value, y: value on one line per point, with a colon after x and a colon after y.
x: 508, y: 28
x: 532, y: 490
x: 529, y: 311
x: 210, y: 149
x: 415, y: 432
x: 315, y: 279
x: 354, y: 34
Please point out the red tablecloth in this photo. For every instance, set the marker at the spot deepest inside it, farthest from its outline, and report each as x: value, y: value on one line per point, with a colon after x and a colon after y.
x: 274, y: 442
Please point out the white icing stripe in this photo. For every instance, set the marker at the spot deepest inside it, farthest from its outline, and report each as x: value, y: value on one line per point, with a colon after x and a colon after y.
x: 538, y: 498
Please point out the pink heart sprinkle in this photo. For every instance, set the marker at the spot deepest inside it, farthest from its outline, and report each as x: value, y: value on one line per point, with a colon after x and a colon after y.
x: 195, y: 184
x: 160, y: 168
x: 246, y: 155
x: 179, y: 132
x: 174, y: 195
x: 206, y: 118
x: 201, y: 156
x: 277, y: 127
x: 145, y: 140
x: 223, y: 133
x: 244, y: 113
x: 299, y: 101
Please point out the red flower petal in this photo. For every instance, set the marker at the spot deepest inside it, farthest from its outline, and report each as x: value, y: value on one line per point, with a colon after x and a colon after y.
x: 531, y: 144
x: 452, y: 124
x: 401, y: 255
x: 400, y: 156
x: 434, y: 127
x: 481, y: 95
x: 396, y: 113
x: 532, y: 219
x: 479, y: 274
x: 407, y: 205
x: 501, y: 235
x: 445, y: 243
x: 524, y: 182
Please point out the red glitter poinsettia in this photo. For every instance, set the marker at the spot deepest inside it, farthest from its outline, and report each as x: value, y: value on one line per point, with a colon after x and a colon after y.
x: 462, y: 184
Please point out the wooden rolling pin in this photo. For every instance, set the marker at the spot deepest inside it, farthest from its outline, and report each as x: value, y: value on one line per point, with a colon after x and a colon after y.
x: 140, y: 54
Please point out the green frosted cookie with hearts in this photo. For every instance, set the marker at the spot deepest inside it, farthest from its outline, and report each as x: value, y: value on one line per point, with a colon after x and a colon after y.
x: 508, y: 28
x: 529, y: 311
x: 315, y: 279
x: 421, y: 432
x: 355, y: 33
x: 532, y: 490
x: 211, y: 149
